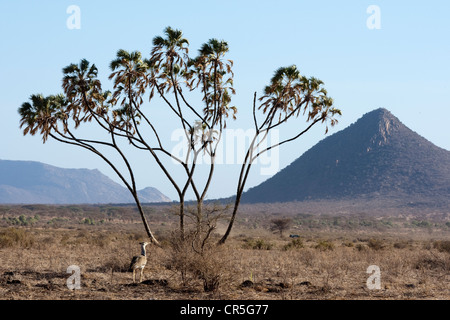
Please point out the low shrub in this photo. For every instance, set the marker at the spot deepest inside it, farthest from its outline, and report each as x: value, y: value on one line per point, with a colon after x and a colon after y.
x: 375, y: 244
x: 348, y: 244
x: 22, y: 220
x: 16, y: 237
x: 258, y: 244
x: 294, y: 244
x: 401, y: 245
x: 210, y: 265
x: 442, y: 246
x: 324, y: 245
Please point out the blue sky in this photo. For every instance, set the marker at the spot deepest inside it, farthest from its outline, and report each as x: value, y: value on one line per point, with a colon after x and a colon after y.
x: 404, y: 66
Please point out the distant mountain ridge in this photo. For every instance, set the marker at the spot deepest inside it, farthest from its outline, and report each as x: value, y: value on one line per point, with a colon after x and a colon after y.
x: 30, y: 182
x: 375, y: 157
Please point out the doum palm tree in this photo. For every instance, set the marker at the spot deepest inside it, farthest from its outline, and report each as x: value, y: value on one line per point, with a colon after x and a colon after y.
x: 170, y: 75
x: 83, y: 101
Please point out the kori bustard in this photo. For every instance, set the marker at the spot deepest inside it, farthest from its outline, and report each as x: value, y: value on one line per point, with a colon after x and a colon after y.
x: 139, y: 262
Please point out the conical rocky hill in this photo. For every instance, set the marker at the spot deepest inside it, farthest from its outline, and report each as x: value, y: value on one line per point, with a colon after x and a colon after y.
x: 376, y: 157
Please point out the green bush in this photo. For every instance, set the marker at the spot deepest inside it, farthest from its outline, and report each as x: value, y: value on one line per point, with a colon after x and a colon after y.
x: 57, y: 221
x: 421, y: 224
x: 22, y: 220
x: 89, y: 221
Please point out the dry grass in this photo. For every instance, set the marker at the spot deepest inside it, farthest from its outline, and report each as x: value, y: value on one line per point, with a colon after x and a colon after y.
x: 34, y: 265
x: 328, y: 261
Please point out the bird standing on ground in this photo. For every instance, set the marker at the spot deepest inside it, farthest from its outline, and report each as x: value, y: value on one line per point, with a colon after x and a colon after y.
x: 139, y: 262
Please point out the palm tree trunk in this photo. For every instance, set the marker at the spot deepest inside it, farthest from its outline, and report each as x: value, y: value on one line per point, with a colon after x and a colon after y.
x: 236, y: 206
x: 233, y: 217
x: 144, y: 220
x: 182, y: 218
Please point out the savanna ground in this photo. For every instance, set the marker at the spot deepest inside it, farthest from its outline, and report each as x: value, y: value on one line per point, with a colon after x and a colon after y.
x: 329, y: 259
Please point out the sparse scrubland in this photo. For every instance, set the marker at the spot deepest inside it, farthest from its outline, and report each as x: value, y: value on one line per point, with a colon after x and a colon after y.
x: 328, y: 260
